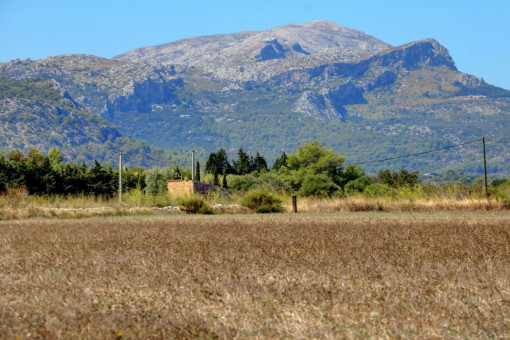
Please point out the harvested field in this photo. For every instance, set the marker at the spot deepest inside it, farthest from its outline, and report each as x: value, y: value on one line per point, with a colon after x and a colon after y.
x: 354, y: 275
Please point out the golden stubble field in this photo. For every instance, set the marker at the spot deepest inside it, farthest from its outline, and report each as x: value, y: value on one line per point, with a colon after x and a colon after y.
x: 349, y: 275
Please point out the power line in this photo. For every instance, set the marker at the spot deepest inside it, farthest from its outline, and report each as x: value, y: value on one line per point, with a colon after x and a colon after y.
x: 184, y: 164
x: 417, y: 154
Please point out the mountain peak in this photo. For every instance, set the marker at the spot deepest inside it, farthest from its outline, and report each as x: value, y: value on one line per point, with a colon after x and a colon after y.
x: 312, y: 37
x: 225, y: 54
x: 428, y: 51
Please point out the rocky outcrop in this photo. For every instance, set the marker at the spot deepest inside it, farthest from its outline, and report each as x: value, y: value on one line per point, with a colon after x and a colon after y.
x: 329, y: 104
x: 412, y: 56
x: 100, y: 85
x: 144, y: 95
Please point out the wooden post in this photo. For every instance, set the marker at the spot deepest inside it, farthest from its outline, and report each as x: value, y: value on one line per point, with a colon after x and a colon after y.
x: 294, y: 204
x: 485, y: 167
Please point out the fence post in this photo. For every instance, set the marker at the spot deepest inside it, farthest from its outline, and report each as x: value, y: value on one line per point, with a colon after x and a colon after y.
x: 294, y: 204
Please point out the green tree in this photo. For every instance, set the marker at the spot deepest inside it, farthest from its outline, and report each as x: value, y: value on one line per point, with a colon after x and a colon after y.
x: 55, y: 157
x: 279, y: 162
x: 197, y: 171
x: 318, y: 185
x: 397, y: 179
x: 358, y: 185
x: 218, y: 162
x: 310, y: 161
x: 259, y: 163
x: 157, y: 179
x: 242, y: 165
x: 101, y: 180
x: 36, y: 156
x: 15, y: 155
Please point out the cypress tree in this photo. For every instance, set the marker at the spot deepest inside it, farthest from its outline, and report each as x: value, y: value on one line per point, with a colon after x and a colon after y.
x: 197, y: 171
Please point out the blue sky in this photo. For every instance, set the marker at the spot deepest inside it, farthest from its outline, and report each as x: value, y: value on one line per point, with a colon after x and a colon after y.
x: 477, y: 33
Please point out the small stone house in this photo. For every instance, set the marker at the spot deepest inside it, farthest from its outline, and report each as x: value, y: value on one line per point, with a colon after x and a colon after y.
x: 183, y: 188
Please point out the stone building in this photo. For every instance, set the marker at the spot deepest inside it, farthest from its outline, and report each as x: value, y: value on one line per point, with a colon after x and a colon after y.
x: 183, y: 188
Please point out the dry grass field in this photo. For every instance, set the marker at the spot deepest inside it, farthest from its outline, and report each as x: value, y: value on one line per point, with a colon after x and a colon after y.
x: 350, y: 275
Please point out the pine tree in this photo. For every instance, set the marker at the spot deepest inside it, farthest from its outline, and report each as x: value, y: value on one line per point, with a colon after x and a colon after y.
x: 216, y: 180
x: 242, y: 166
x: 260, y: 163
x: 279, y: 162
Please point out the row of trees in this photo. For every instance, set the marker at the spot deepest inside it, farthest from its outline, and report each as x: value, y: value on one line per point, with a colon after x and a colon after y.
x: 47, y: 175
x: 312, y: 171
x: 218, y: 164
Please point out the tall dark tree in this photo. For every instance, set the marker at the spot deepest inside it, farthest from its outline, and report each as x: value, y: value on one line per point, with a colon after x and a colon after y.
x: 101, y: 180
x: 210, y: 164
x: 225, y: 184
x: 6, y: 171
x: 197, y: 171
x: 216, y: 181
x: 218, y: 162
x: 242, y: 165
x: 279, y: 162
x: 259, y: 163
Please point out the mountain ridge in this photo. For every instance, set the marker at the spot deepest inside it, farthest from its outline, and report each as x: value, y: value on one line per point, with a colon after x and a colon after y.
x: 281, y: 93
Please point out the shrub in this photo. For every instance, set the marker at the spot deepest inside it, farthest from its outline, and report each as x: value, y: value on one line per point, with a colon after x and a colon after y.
x: 379, y: 190
x: 357, y: 185
x: 254, y: 181
x: 194, y: 205
x: 397, y: 179
x: 242, y: 183
x: 318, y: 185
x: 205, y: 210
x: 273, y: 182
x: 263, y: 202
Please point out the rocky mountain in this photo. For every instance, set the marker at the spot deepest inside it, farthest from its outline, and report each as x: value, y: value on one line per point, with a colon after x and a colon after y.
x: 40, y: 114
x: 270, y: 91
x: 257, y: 55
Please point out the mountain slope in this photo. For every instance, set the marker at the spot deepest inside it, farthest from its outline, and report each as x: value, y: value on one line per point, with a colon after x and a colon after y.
x: 39, y: 114
x: 271, y: 91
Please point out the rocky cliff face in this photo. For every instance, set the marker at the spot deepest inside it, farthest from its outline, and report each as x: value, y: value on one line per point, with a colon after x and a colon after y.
x: 101, y: 85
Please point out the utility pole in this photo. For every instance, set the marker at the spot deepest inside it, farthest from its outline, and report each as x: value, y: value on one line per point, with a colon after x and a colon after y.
x: 192, y: 165
x: 120, y: 177
x: 485, y: 166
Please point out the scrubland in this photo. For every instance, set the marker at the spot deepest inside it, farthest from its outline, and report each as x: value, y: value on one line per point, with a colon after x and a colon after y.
x: 16, y: 203
x: 342, y: 275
